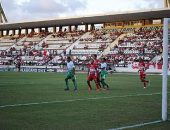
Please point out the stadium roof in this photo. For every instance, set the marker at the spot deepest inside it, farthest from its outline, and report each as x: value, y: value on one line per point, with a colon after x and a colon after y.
x: 124, y: 16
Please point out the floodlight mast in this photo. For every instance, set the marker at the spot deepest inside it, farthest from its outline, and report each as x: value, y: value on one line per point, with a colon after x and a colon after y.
x: 3, y: 18
x: 165, y: 70
x: 166, y: 3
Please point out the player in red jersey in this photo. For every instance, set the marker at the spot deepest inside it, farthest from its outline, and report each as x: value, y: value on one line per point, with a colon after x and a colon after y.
x: 142, y: 73
x: 92, y: 75
x: 141, y: 63
x: 97, y: 64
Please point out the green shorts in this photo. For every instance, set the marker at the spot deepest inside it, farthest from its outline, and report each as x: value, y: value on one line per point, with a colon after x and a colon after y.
x: 103, y: 77
x: 70, y: 75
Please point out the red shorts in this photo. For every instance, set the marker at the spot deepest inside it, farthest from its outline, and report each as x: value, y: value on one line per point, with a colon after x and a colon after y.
x: 91, y: 77
x: 143, y: 76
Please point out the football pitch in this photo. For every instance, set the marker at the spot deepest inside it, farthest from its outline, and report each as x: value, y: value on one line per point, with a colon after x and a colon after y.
x: 37, y: 101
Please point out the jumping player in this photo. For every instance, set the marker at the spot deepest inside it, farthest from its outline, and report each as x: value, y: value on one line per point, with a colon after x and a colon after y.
x: 97, y: 64
x: 92, y: 75
x: 70, y: 74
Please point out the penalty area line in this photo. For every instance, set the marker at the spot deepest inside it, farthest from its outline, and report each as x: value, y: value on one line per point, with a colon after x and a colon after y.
x: 137, y: 125
x: 80, y: 99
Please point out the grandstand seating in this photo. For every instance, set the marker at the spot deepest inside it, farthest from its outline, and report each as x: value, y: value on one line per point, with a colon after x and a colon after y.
x: 142, y: 41
x: 146, y: 42
x: 6, y: 42
x: 93, y: 43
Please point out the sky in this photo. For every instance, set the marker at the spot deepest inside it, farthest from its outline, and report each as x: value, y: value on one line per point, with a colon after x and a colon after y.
x: 33, y: 10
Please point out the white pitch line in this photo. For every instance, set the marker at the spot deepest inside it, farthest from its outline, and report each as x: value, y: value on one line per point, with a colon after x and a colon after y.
x: 137, y: 125
x: 81, y: 99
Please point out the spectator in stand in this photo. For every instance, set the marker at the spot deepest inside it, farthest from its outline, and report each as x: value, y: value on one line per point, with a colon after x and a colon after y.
x: 18, y: 65
x: 64, y: 52
x: 70, y: 52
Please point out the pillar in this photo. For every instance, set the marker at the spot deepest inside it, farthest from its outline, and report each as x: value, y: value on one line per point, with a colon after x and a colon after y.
x: 46, y: 29
x: 92, y: 27
x: 32, y: 30
x: 19, y: 32
x: 69, y: 28
x: 54, y: 30
x: 86, y: 28
x: 39, y: 30
x: 13, y: 32
x: 26, y: 31
x: 7, y: 32
x: 76, y: 27
x: 60, y: 29
x: 2, y: 33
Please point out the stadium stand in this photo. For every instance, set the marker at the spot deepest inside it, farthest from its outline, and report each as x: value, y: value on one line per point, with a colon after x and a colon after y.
x: 41, y: 47
x: 146, y: 43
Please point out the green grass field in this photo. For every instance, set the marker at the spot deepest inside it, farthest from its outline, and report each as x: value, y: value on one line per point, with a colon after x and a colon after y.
x: 40, y: 103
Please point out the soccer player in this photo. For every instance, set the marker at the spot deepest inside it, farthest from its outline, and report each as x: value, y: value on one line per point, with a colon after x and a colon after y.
x: 143, y: 76
x: 70, y: 74
x: 103, y: 73
x: 97, y: 64
x: 141, y: 63
x: 142, y: 73
x: 92, y: 75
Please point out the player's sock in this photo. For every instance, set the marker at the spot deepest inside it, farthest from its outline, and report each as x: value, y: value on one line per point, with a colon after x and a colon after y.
x: 97, y: 85
x: 148, y: 83
x: 88, y: 82
x: 103, y: 84
x: 144, y: 84
x: 75, y: 84
x: 106, y: 84
x: 67, y: 87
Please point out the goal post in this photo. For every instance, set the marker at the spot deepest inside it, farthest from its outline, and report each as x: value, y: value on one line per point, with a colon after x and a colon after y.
x: 165, y: 70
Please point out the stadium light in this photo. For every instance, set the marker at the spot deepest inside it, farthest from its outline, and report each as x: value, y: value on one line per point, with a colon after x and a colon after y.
x: 165, y: 70
x: 3, y: 17
x: 166, y: 3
